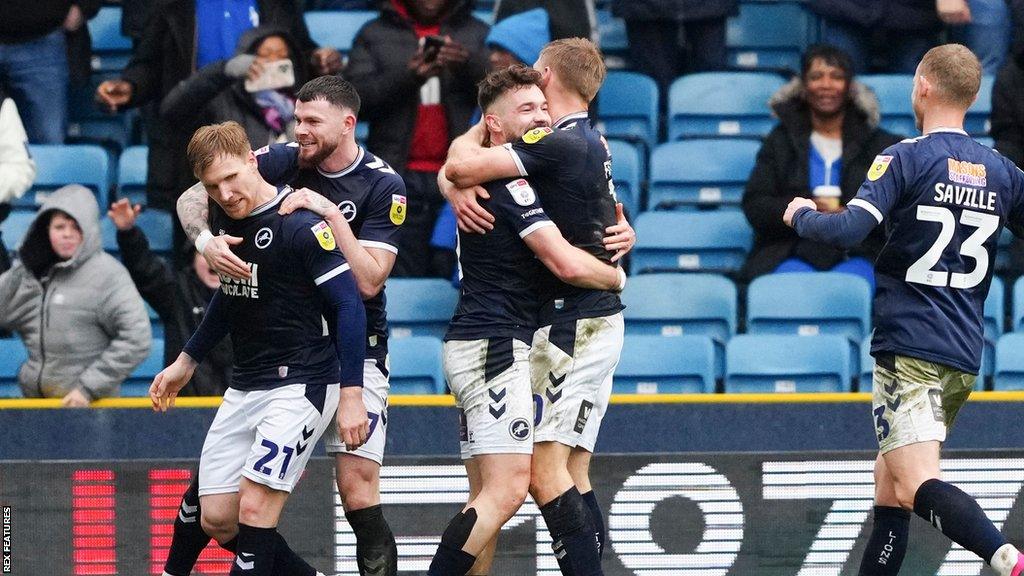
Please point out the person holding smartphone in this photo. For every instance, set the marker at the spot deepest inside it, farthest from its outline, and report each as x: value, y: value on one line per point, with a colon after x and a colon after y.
x: 254, y: 88
x: 416, y: 69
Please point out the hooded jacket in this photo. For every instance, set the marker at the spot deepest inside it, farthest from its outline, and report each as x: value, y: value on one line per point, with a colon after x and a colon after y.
x: 781, y: 174
x: 379, y: 69
x: 211, y: 96
x: 81, y: 320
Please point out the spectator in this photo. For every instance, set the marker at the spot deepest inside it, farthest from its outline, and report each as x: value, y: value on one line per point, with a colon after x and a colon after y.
x: 416, y: 99
x: 17, y: 170
x: 668, y: 38
x: 218, y: 92
x: 34, y: 60
x: 984, y: 26
x: 73, y: 305
x: 895, y: 32
x: 569, y: 18
x: 180, y: 298
x: 180, y: 37
x: 825, y: 142
x: 518, y: 39
x: 1008, y: 109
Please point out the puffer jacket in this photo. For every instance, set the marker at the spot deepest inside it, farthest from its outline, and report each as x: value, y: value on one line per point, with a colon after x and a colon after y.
x: 780, y: 174
x: 81, y: 319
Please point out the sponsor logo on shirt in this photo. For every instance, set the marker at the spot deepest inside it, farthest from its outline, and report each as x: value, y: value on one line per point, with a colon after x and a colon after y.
x: 963, y: 172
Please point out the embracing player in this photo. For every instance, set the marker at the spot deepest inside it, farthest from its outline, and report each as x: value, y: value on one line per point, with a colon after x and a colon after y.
x: 487, y: 346
x: 363, y: 201
x: 945, y: 199
x: 577, y: 348
x: 284, y: 390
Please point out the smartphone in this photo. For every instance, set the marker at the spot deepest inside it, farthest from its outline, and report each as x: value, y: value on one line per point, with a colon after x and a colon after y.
x: 276, y: 74
x: 432, y: 47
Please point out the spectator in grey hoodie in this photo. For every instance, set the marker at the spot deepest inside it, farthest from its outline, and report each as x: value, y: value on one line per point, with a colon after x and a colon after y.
x: 73, y: 305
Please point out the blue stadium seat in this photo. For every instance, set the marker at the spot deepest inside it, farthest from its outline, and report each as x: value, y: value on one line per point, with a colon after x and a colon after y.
x: 416, y: 365
x: 156, y: 224
x: 701, y: 172
x: 626, y: 174
x: 682, y: 304
x: 721, y: 104
x: 893, y: 92
x: 110, y: 50
x: 613, y: 33
x: 770, y: 363
x: 994, y: 317
x: 12, y: 356
x: 337, y: 29
x: 715, y: 241
x: 656, y: 365
x: 61, y: 164
x: 15, y: 228
x: 986, y: 140
x: 769, y: 35
x: 420, y: 306
x: 137, y: 385
x: 155, y: 324
x: 810, y: 303
x: 977, y: 122
x: 131, y: 174
x: 628, y: 107
x: 1018, y: 306
x: 1009, y: 369
x: 486, y: 16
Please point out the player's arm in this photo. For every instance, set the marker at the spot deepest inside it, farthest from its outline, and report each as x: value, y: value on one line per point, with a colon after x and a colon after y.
x: 194, y: 214
x: 214, y: 327
x: 848, y: 228
x: 371, y: 266
x: 572, y: 265
x: 485, y: 165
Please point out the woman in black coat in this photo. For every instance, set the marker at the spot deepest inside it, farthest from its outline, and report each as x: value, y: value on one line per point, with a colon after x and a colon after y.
x: 826, y: 140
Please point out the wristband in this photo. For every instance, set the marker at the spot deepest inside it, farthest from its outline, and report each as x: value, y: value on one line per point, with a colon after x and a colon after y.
x: 622, y: 280
x: 204, y: 238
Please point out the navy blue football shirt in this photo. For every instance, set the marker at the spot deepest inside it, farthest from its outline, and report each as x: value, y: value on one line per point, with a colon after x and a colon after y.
x: 499, y: 271
x: 372, y: 199
x: 944, y: 199
x: 276, y: 317
x: 570, y: 167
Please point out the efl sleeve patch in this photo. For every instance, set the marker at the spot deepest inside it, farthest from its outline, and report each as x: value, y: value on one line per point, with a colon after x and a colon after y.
x: 878, y: 167
x: 324, y: 235
x: 398, y: 209
x: 535, y: 135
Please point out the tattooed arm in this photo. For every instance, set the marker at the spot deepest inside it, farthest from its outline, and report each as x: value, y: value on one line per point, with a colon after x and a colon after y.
x: 194, y: 214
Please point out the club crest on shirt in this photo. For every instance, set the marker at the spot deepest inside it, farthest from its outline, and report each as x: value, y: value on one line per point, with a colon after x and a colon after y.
x: 878, y: 167
x: 324, y: 235
x: 264, y: 237
x: 535, y: 135
x: 521, y: 192
x: 398, y: 209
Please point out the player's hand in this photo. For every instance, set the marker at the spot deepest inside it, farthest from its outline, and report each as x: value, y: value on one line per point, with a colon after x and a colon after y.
x: 326, y: 61
x: 114, y: 94
x: 794, y: 205
x: 170, y: 381
x: 953, y: 12
x: 353, y: 423
x: 471, y: 216
x: 123, y: 214
x: 621, y: 237
x: 75, y: 399
x: 222, y: 260
x: 306, y: 198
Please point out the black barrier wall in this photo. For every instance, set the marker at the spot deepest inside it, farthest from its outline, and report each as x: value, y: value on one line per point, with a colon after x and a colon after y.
x: 687, y: 514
